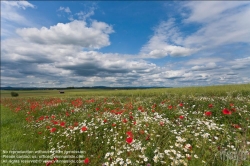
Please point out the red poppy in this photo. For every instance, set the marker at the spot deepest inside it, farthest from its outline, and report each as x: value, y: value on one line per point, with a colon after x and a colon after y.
x: 233, y: 109
x: 62, y: 124
x: 208, y: 113
x: 236, y: 126
x: 181, y: 117
x: 49, y: 163
x: 141, y: 132
x: 84, y: 128
x: 124, y: 120
x: 105, y: 120
x: 75, y: 124
x: 226, y: 112
x: 231, y: 104
x: 129, y: 140
x: 53, y: 130
x: 210, y: 105
x: 129, y: 133
x: 113, y: 124
x: 181, y: 104
x: 53, y: 117
x: 170, y: 107
x: 86, y: 161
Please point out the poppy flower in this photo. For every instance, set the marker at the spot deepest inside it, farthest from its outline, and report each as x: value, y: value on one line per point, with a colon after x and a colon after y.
x: 226, y: 112
x: 129, y: 140
x: 113, y: 124
x: 181, y: 117
x: 86, y: 161
x: 62, y: 124
x: 208, y: 113
x: 84, y: 128
x: 49, y: 163
x: 53, y: 130
x: 105, y: 120
x: 170, y: 107
x: 129, y: 133
x: 75, y: 124
x: 181, y: 104
x: 124, y: 120
x: 236, y: 126
x: 210, y: 105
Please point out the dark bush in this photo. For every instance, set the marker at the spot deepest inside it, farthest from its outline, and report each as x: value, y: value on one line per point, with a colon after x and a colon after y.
x: 14, y: 94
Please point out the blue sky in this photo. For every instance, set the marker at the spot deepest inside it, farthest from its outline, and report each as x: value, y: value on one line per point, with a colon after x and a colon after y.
x: 124, y: 43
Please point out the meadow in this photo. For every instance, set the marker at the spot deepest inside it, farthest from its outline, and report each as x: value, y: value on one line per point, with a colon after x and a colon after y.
x: 151, y: 127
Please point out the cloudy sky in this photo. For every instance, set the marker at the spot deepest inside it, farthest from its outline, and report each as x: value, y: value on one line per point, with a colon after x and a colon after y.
x: 123, y: 43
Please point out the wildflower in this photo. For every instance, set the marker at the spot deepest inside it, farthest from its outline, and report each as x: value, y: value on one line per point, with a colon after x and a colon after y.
x: 181, y: 117
x: 49, y: 163
x: 124, y: 120
x: 226, y: 112
x: 129, y: 140
x: 210, y: 105
x: 62, y: 124
x: 236, y: 126
x: 75, y: 124
x: 129, y: 133
x: 84, y: 128
x: 105, y: 120
x: 181, y: 104
x: 53, y: 130
x: 170, y: 107
x: 208, y: 113
x: 86, y: 161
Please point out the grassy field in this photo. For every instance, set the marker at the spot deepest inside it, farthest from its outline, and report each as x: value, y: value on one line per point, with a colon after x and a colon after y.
x: 172, y: 126
x: 206, y: 91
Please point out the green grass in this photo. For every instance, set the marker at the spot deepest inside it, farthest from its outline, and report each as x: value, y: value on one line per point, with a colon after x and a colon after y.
x: 155, y: 126
x: 221, y: 90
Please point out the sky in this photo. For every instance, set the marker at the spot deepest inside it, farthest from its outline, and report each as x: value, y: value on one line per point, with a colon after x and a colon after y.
x: 124, y: 43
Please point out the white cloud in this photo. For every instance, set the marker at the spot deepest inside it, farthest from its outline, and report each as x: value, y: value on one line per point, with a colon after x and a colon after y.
x: 208, y: 66
x: 84, y: 15
x: 11, y: 16
x: 75, y: 33
x: 65, y: 9
x: 220, y: 23
x: 164, y: 42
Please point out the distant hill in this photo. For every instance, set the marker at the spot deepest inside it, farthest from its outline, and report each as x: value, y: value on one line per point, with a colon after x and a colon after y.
x: 60, y: 88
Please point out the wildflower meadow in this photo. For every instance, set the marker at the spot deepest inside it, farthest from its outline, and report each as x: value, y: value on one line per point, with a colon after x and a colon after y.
x: 146, y: 128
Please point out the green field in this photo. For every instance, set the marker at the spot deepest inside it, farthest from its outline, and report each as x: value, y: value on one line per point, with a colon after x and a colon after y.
x: 167, y: 126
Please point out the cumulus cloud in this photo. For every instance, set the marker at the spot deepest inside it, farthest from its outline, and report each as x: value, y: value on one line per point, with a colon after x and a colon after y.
x: 66, y: 54
x: 164, y: 42
x: 76, y: 33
